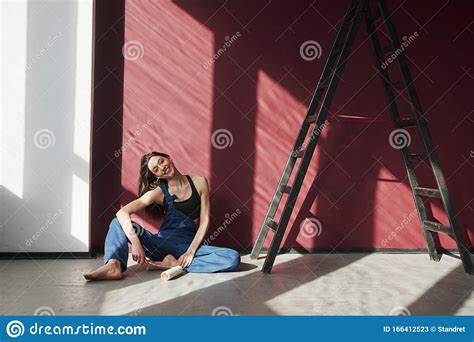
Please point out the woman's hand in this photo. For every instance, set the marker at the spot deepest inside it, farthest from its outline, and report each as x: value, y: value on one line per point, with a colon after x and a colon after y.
x: 186, y: 259
x: 138, y: 253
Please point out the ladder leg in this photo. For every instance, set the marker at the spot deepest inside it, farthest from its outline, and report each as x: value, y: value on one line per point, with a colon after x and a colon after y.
x: 459, y: 235
x: 420, y: 122
x: 329, y: 66
x: 321, y: 118
x: 257, y: 247
x: 388, y: 90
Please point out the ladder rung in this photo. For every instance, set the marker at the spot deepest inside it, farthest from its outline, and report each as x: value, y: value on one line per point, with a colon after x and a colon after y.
x: 337, y: 49
x: 427, y: 192
x: 411, y: 122
x: 311, y: 119
x: 387, y: 50
x: 323, y: 85
x: 437, y: 227
x: 285, y: 188
x: 398, y: 85
x: 300, y: 153
x: 376, y: 14
x: 272, y: 225
x: 416, y: 156
x: 351, y: 12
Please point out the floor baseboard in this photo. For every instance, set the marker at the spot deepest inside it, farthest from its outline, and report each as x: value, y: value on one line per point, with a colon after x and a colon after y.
x: 46, y: 255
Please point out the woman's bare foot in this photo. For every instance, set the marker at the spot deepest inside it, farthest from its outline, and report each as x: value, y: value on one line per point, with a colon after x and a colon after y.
x: 168, y: 262
x: 110, y: 271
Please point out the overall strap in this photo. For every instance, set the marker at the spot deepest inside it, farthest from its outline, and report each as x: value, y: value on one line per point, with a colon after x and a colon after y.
x: 193, y: 187
x: 168, y: 197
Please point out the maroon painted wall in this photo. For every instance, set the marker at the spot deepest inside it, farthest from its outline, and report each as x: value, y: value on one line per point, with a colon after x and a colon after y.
x: 106, y: 189
x: 176, y: 96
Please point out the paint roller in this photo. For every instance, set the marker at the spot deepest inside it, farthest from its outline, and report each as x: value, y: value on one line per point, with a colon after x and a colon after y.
x: 173, y: 272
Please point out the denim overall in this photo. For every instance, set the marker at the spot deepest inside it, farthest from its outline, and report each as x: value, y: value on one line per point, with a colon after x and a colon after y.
x: 177, y: 229
x: 174, y: 237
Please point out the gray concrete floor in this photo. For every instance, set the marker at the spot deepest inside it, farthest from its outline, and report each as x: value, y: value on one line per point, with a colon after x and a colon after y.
x: 316, y: 284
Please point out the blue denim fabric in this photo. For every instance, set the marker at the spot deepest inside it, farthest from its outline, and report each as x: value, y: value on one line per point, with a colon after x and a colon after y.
x: 174, y: 237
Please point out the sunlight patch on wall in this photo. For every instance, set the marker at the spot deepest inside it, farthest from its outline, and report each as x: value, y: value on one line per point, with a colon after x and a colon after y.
x: 12, y: 94
x: 82, y: 112
x: 79, y: 216
x: 279, y: 116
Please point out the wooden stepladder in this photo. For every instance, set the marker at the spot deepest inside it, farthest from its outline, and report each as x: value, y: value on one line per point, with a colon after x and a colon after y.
x: 316, y: 116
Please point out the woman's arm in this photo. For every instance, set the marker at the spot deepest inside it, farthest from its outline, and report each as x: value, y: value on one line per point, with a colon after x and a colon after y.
x: 203, y: 188
x: 123, y: 215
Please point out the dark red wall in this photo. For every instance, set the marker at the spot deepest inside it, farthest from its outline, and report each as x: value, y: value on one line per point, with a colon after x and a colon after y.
x: 106, y: 137
x: 259, y: 89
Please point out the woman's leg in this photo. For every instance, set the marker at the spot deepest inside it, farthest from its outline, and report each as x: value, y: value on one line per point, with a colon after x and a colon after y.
x: 116, y: 245
x: 116, y: 251
x: 209, y: 259
x: 154, y: 247
x: 115, y: 255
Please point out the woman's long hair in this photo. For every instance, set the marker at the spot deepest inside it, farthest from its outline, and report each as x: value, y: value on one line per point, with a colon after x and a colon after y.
x: 147, y: 181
